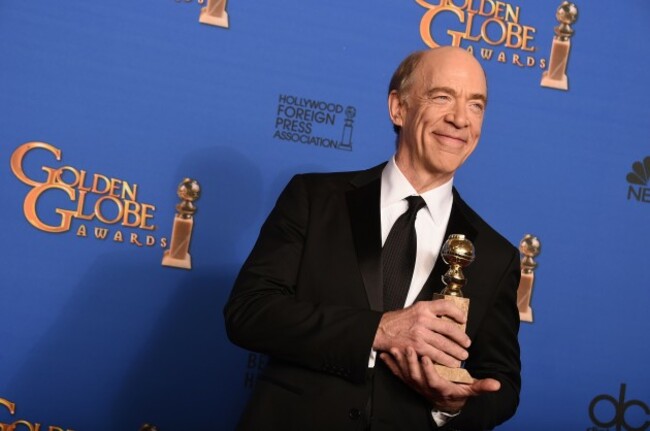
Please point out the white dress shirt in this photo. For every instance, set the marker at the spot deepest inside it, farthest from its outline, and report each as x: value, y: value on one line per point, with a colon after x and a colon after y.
x: 430, y: 224
x: 430, y: 227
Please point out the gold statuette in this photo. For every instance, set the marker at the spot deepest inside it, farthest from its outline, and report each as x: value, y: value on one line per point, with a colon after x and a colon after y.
x: 457, y: 252
x: 555, y: 76
x: 529, y: 248
x: 178, y: 254
x: 214, y: 14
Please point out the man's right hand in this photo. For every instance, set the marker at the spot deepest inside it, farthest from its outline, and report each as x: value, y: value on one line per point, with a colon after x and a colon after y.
x: 422, y: 328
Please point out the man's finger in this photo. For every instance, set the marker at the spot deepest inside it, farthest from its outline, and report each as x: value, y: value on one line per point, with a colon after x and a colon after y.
x: 434, y: 380
x: 485, y: 385
x: 441, y: 307
x: 415, y: 374
x: 442, y: 350
x: 391, y: 364
x: 450, y: 330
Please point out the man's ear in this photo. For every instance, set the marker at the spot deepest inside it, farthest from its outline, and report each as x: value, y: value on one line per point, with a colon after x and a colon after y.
x: 396, y: 108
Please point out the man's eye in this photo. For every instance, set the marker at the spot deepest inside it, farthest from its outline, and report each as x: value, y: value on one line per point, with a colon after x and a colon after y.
x: 477, y: 107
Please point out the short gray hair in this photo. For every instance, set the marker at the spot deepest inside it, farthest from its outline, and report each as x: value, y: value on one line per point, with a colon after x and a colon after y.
x: 403, y: 75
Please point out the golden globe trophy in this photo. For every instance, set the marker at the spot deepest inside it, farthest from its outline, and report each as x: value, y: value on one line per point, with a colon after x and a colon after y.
x: 178, y: 254
x: 214, y: 14
x: 529, y: 248
x: 346, y: 139
x: 457, y: 252
x: 555, y: 76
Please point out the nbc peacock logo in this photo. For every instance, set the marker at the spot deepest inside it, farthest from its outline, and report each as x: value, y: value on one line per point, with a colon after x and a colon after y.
x: 638, y: 179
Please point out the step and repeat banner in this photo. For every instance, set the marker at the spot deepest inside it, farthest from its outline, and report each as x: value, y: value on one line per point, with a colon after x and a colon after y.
x: 130, y: 131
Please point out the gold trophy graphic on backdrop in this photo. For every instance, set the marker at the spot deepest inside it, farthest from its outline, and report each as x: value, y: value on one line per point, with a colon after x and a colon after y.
x: 178, y: 254
x: 215, y: 14
x: 555, y: 76
x: 529, y: 248
x: 457, y: 252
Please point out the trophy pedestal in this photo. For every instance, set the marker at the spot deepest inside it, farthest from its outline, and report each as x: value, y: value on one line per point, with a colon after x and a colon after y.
x: 456, y: 375
x: 524, y: 293
x: 555, y: 76
x: 178, y: 255
x: 218, y: 21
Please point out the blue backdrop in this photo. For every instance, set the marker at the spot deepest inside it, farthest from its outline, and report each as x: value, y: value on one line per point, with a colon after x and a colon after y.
x: 97, y: 335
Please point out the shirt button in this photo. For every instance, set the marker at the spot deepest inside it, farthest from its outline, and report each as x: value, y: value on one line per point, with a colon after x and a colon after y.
x: 354, y: 414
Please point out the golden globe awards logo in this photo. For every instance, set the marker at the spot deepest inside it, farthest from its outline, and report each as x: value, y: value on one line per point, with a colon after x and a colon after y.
x: 487, y: 24
x: 68, y: 194
x: 316, y: 123
x: 22, y: 424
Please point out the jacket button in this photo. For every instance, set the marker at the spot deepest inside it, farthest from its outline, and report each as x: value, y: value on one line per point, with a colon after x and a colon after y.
x: 354, y: 414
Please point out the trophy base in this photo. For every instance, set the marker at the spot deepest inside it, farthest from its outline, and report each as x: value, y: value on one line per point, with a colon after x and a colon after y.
x: 558, y: 84
x: 456, y: 375
x: 218, y: 21
x: 184, y: 263
x: 526, y: 315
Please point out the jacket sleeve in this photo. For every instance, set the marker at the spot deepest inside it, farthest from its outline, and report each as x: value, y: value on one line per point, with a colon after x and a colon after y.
x: 495, y: 354
x: 264, y: 312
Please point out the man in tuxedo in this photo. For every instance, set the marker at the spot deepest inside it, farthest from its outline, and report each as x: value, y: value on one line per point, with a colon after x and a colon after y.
x: 349, y: 347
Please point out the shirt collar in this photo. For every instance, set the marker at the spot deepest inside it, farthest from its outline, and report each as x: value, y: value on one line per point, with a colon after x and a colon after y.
x: 395, y: 187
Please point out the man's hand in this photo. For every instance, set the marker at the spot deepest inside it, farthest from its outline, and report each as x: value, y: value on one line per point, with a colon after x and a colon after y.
x: 421, y: 328
x: 421, y: 376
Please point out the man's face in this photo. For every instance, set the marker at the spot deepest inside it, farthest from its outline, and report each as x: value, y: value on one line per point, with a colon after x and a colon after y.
x: 440, y: 115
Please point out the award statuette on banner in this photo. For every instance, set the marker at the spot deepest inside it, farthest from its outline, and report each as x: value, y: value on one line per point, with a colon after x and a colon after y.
x: 457, y: 252
x: 555, y: 76
x: 346, y: 139
x: 178, y: 254
x: 529, y: 248
x: 215, y: 14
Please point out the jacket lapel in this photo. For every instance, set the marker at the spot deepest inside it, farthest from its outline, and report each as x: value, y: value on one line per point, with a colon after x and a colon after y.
x: 365, y: 221
x: 363, y: 206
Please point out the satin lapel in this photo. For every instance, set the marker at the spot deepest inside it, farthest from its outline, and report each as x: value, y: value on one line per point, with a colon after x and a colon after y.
x: 363, y: 206
x: 458, y: 224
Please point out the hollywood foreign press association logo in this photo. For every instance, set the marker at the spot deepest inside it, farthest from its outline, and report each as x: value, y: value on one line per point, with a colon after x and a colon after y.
x: 314, y: 122
x: 638, y: 180
x: 255, y: 364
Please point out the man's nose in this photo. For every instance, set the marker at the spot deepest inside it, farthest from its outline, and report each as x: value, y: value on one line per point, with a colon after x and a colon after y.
x: 457, y: 116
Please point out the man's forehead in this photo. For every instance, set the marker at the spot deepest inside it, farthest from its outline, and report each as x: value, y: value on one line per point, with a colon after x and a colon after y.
x: 457, y: 81
x: 456, y: 72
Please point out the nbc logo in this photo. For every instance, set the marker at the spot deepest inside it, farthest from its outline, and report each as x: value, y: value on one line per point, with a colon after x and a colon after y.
x: 638, y: 179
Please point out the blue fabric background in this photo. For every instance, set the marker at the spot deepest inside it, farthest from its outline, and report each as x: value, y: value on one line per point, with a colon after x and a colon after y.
x: 97, y: 335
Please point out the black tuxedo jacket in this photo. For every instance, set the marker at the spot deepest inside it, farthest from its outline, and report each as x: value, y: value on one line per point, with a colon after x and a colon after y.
x: 310, y: 296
